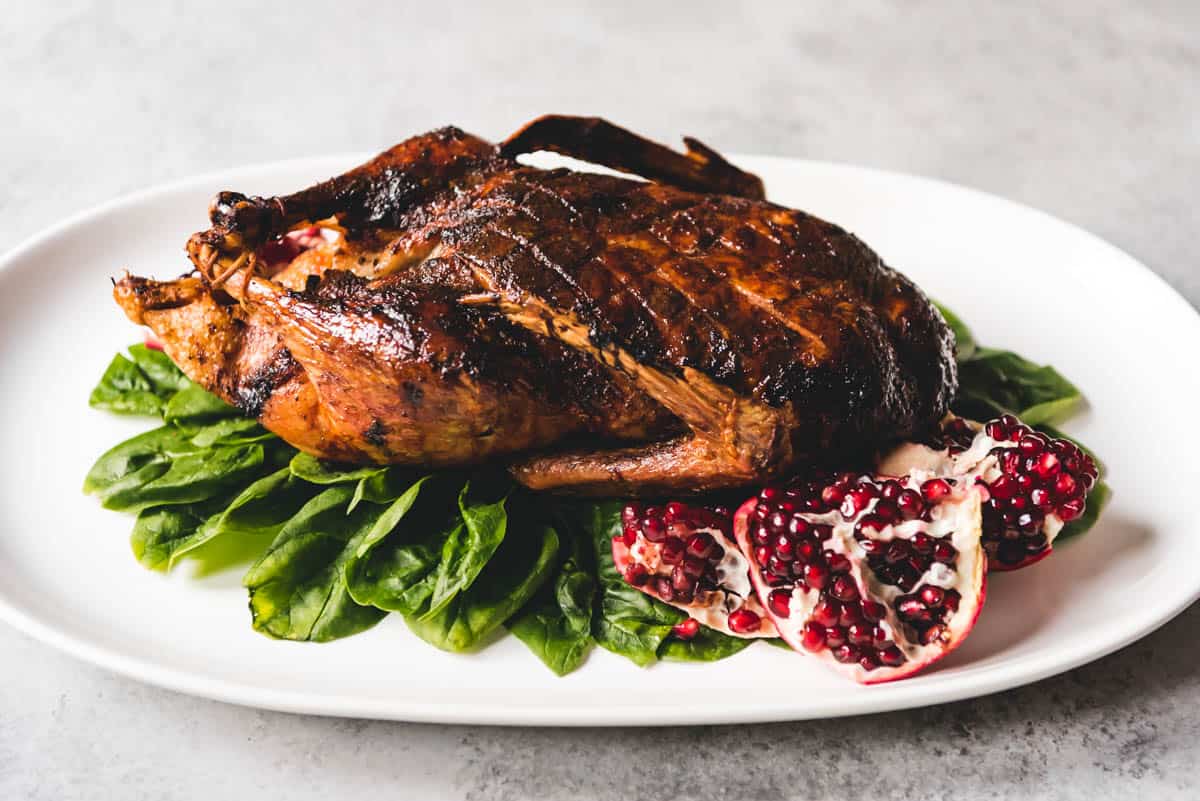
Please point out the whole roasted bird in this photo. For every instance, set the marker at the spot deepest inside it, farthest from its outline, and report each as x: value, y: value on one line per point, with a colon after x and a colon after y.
x: 446, y: 305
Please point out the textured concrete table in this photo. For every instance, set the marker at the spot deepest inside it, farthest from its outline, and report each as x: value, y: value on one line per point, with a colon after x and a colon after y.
x: 1091, y: 114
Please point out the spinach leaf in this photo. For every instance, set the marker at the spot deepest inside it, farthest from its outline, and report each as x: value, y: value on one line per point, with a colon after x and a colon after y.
x: 628, y: 622
x: 557, y: 623
x: 296, y: 587
x: 466, y: 552
x: 519, y: 568
x: 243, y: 527
x: 393, y: 567
x: 137, y: 460
x: 964, y: 342
x: 994, y: 382
x: 194, y: 403
x: 159, y: 370
x: 316, y: 471
x: 231, y: 431
x: 189, y: 477
x: 124, y: 389
x: 708, y: 645
x: 159, y: 532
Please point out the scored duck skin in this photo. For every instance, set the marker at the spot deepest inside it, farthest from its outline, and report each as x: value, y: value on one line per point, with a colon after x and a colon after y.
x: 599, y: 334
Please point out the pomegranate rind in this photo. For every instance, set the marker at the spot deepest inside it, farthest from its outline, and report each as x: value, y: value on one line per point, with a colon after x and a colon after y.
x: 709, y: 608
x: 971, y: 566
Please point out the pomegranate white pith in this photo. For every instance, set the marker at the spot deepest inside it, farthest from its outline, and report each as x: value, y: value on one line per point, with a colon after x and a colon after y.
x: 1036, y: 483
x: 683, y: 556
x: 873, y: 576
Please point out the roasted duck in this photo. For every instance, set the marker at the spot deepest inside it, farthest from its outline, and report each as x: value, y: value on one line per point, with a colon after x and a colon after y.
x: 446, y: 305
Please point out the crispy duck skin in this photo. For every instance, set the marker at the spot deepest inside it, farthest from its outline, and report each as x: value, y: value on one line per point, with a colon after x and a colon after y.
x: 600, y: 334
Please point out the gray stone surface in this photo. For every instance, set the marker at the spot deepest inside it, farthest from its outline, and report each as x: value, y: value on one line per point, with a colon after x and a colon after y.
x: 1090, y: 111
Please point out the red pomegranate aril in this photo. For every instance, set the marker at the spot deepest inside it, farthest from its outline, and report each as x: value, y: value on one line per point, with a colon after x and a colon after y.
x: 780, y: 602
x: 675, y: 511
x: 897, y: 552
x: 784, y: 547
x: 931, y: 634
x: 833, y: 495
x: 1041, y: 499
x: 681, y: 581
x: 630, y: 535
x: 672, y: 551
x: 922, y: 543
x: 851, y: 614
x: 933, y: 596
x: 813, y: 636
x: 1003, y: 488
x: 743, y: 621
x: 1065, y: 486
x: 996, y: 430
x: 913, y: 609
x: 935, y: 489
x: 1045, y: 466
x: 1071, y: 510
x: 630, y: 514
x: 806, y: 550
x: 1032, y: 444
x: 653, y: 529
x: 693, y: 566
x: 686, y: 629
x: 763, y: 554
x: 636, y: 574
x: 950, y: 600
x: 860, y: 634
x: 827, y: 612
x: 816, y: 575
x: 944, y: 552
x: 857, y: 500
x: 844, y: 589
x: 838, y: 563
x: 835, y: 637
x: 701, y: 545
x: 910, y: 505
x: 892, y: 657
x: 664, y: 586
x: 779, y: 567
x: 873, y: 611
x: 846, y: 653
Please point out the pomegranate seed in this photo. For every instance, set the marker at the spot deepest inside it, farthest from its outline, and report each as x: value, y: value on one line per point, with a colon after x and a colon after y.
x: 839, y: 563
x: 996, y: 430
x: 743, y: 621
x: 681, y: 581
x: 1045, y: 466
x: 687, y: 629
x: 922, y: 543
x: 935, y: 489
x: 886, y: 511
x: 933, y: 596
x: 844, y: 589
x: 856, y: 500
x: 879, y: 638
x: 653, y: 529
x: 1041, y: 499
x: 846, y: 653
x: 1071, y: 509
x: 932, y: 635
x: 944, y: 552
x: 913, y: 609
x: 860, y: 634
x: 1010, y: 462
x: 851, y: 614
x: 813, y: 637
x: 777, y: 522
x: 701, y: 545
x: 835, y: 637
x: 805, y: 551
x: 892, y: 657
x: 891, y: 489
x: 770, y: 494
x: 784, y: 547
x: 910, y: 505
x: 1065, y: 485
x: 833, y: 495
x: 1003, y: 488
x: 631, y: 513
x: 873, y: 610
x: 798, y: 526
x: 1032, y: 444
x: 672, y: 551
x: 636, y: 574
x: 780, y: 602
x: 867, y: 661
x: 675, y: 511
x: 897, y: 552
x: 779, y: 567
x: 663, y: 587
x: 827, y: 612
x: 629, y: 537
x: 950, y: 600
x: 816, y: 575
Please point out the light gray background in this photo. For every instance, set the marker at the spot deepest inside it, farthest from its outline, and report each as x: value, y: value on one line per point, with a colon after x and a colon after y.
x: 1087, y: 110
